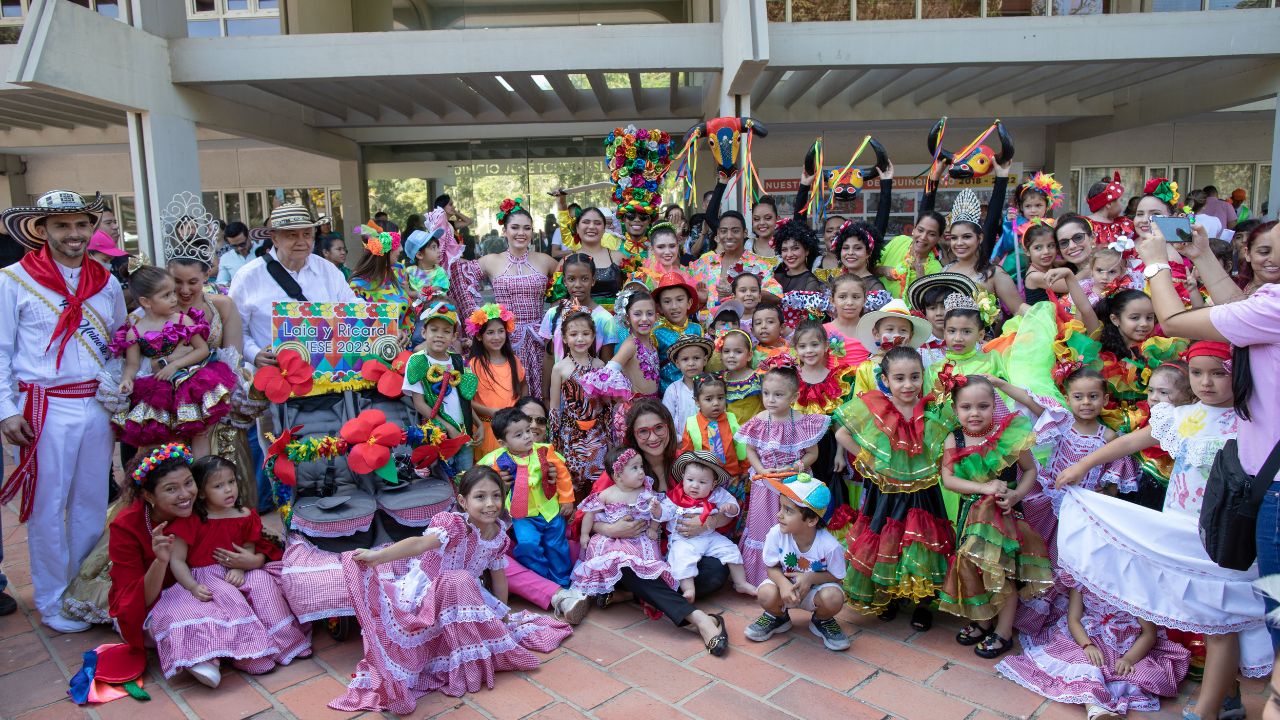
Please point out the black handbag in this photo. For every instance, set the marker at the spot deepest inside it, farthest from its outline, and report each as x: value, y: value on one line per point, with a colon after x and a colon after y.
x: 1232, y: 497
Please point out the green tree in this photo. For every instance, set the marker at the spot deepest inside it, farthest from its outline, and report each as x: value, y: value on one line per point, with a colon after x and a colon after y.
x: 398, y: 198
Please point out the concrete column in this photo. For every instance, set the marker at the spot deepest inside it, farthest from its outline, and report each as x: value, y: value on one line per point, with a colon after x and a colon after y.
x: 353, y: 177
x: 307, y: 17
x: 1057, y: 160
x: 371, y: 16
x: 13, y: 181
x: 163, y: 154
x: 1273, y: 196
x: 165, y: 161
x: 744, y: 44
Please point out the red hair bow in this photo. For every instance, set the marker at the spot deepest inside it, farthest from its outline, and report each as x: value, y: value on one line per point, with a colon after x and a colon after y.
x: 949, y: 379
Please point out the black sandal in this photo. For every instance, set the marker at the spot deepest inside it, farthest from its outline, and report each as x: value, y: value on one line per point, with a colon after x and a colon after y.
x: 992, y: 646
x: 605, y: 600
x: 890, y: 612
x: 719, y: 645
x: 922, y: 618
x: 973, y: 633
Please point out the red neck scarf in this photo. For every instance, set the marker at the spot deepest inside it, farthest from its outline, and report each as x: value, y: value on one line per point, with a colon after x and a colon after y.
x: 93, y: 277
x: 677, y: 496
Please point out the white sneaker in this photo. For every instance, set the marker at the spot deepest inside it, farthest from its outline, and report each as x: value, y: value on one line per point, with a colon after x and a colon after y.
x: 64, y: 624
x: 570, y: 605
x: 207, y: 673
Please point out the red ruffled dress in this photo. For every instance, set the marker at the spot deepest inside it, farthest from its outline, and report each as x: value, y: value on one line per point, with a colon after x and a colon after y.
x: 186, y: 631
x: 194, y: 400
x: 428, y: 624
x: 261, y: 587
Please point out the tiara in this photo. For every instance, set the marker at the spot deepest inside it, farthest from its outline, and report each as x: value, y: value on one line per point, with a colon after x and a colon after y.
x: 190, y: 232
x: 966, y: 208
x: 959, y: 301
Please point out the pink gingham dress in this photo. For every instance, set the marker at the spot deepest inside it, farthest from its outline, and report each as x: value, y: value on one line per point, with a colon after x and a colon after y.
x: 522, y: 292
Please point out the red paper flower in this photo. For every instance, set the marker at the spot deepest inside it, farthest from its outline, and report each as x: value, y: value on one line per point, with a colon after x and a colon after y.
x: 284, y: 468
x: 290, y: 376
x: 390, y: 380
x: 425, y: 455
x: 371, y: 438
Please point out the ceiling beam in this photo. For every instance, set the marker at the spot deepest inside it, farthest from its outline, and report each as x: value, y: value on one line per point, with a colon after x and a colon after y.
x: 532, y: 95
x: 983, y: 81
x: 798, y: 84
x: 1155, y: 71
x: 389, y: 96
x: 459, y: 94
x: 18, y: 119
x: 832, y: 84
x: 595, y: 48
x: 871, y: 83
x: 1029, y: 77
x: 902, y: 86
x: 636, y: 87
x: 43, y: 109
x: 306, y: 97
x: 415, y: 95
x: 489, y: 89
x: 601, y: 90
x: 765, y: 84
x: 954, y: 76
x: 568, y: 94
x: 1070, y: 82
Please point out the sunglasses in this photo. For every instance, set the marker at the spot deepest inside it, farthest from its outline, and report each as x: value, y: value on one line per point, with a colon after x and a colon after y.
x: 1077, y: 239
x: 537, y: 419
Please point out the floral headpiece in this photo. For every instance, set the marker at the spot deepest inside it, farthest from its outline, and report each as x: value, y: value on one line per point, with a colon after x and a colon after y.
x: 776, y: 362
x: 378, y: 241
x: 988, y: 306
x: 1164, y: 189
x: 949, y: 379
x: 157, y: 457
x: 1123, y: 244
x: 1109, y: 194
x: 624, y: 301
x: 1063, y: 369
x: 720, y: 338
x: 1123, y: 282
x: 1044, y: 184
x: 664, y: 225
x: 801, y: 305
x: 508, y: 206
x: 732, y: 273
x: 624, y: 457
x: 637, y: 159
x: 492, y: 311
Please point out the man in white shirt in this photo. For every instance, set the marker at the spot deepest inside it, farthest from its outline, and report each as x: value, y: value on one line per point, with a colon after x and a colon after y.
x: 289, y: 271
x: 57, y: 315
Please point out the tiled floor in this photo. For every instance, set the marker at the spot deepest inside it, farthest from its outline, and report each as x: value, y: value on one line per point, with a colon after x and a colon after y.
x: 618, y: 665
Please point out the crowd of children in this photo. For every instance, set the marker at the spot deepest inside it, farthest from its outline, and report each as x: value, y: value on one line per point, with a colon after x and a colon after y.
x: 930, y: 447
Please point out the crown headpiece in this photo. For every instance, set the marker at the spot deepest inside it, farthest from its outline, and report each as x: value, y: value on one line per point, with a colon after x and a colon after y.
x: 959, y: 301
x: 190, y: 232
x: 966, y: 208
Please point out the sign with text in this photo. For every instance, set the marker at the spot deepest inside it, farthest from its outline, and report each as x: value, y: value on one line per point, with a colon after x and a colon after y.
x: 335, y: 338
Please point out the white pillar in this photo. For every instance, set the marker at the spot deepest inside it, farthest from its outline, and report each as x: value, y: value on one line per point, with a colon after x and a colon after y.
x: 353, y: 177
x: 1057, y: 160
x: 1273, y: 196
x: 744, y: 42
x: 13, y: 181
x: 163, y: 154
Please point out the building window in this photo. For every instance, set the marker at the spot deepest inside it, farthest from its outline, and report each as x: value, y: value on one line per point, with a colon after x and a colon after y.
x: 231, y: 18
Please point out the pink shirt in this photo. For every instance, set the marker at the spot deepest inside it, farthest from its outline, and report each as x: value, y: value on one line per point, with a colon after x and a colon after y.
x: 1253, y: 322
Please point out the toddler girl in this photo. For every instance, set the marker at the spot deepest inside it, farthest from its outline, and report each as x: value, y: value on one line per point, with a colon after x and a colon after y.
x: 700, y: 491
x: 998, y: 556
x: 899, y: 541
x: 741, y: 381
x: 221, y: 522
x: 630, y: 497
x: 1109, y: 273
x: 499, y: 374
x: 1101, y: 657
x: 579, y: 273
x: 778, y: 439
x: 579, y: 423
x: 848, y: 295
x: 175, y: 390
x: 1044, y: 281
x: 826, y: 382
x: 415, y: 641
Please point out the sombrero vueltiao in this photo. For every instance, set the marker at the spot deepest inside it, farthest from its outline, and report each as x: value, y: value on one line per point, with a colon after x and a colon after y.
x: 952, y: 281
x: 21, y: 221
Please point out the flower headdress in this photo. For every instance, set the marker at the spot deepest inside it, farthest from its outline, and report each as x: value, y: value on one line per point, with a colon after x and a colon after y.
x: 624, y: 457
x: 731, y: 273
x: 492, y: 311
x: 508, y: 206
x: 1044, y: 184
x: 378, y: 241
x: 625, y: 298
x: 156, y: 457
x: 775, y: 362
x: 1164, y: 189
x: 637, y: 161
x: 988, y: 306
x: 1063, y: 370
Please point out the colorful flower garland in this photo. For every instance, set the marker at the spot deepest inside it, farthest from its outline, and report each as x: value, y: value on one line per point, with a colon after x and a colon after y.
x: 492, y: 311
x: 157, y: 457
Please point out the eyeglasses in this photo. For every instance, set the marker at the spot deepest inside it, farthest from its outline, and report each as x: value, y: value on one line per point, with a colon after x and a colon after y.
x: 1077, y: 239
x: 643, y: 433
x: 537, y: 419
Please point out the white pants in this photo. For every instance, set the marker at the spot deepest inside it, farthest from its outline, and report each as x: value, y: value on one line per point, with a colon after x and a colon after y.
x: 69, y: 513
x: 684, y: 553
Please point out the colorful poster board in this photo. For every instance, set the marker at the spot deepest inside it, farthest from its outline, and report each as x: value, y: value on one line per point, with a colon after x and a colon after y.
x: 335, y: 338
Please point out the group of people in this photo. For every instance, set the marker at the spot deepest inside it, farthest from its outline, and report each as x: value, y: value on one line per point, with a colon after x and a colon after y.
x: 1013, y: 422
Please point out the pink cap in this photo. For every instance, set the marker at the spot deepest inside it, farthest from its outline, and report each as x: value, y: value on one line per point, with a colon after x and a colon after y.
x: 102, y: 243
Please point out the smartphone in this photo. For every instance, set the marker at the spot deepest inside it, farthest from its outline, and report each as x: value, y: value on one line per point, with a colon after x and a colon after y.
x: 1175, y: 229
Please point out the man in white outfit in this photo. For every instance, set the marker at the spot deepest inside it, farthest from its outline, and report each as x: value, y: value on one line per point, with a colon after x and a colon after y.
x: 57, y: 316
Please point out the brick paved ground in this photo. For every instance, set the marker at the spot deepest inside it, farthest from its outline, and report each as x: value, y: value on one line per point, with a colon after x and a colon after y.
x: 617, y: 665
